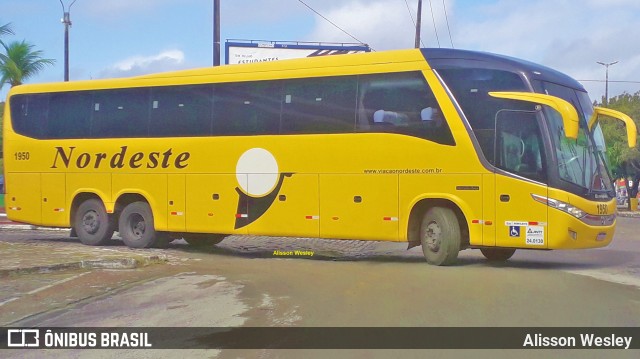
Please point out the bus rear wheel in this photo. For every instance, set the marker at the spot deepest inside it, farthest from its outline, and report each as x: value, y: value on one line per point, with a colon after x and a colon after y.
x: 92, y: 224
x: 203, y: 239
x: 440, y: 236
x: 497, y: 254
x: 136, y: 227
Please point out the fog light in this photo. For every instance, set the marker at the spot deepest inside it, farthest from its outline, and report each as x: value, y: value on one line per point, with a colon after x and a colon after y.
x: 601, y: 237
x: 573, y: 235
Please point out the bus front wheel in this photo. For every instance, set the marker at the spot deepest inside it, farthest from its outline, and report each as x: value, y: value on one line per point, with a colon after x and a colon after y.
x: 136, y: 226
x: 440, y: 236
x: 497, y: 254
x: 92, y: 224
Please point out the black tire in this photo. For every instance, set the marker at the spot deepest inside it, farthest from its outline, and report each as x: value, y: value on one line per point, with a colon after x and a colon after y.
x: 497, y: 254
x: 440, y: 236
x: 136, y: 227
x: 91, y: 223
x: 203, y: 239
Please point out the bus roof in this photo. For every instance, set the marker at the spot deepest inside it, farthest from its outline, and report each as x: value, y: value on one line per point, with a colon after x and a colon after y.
x: 437, y: 58
x: 302, y: 67
x: 450, y: 58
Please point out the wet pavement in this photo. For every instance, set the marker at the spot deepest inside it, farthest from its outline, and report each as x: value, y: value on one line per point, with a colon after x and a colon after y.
x: 49, y: 279
x: 46, y: 252
x: 43, y: 253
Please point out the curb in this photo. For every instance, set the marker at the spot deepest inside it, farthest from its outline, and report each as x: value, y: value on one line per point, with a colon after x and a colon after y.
x: 28, y: 227
x: 115, y: 263
x: 628, y: 214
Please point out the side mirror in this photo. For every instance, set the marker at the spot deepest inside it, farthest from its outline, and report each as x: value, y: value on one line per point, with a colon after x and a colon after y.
x: 632, y: 132
x: 569, y: 114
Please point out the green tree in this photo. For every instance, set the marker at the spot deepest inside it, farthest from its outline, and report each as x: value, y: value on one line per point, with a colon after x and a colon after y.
x: 19, y: 62
x: 624, y: 161
x: 6, y: 29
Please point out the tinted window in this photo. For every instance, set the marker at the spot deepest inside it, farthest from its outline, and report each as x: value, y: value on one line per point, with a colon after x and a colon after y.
x: 401, y: 103
x: 29, y: 114
x: 397, y: 103
x: 471, y: 89
x: 319, y: 105
x: 181, y: 111
x: 70, y: 115
x: 519, y: 145
x: 249, y: 108
x: 120, y: 113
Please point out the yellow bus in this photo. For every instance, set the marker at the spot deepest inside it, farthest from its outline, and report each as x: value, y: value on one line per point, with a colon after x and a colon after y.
x: 448, y: 149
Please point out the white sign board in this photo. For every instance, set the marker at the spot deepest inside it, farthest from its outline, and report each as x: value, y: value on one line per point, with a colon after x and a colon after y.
x: 251, y: 53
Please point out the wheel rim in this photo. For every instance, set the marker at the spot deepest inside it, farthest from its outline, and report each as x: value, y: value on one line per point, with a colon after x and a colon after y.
x: 91, y: 222
x: 138, y: 226
x: 433, y: 236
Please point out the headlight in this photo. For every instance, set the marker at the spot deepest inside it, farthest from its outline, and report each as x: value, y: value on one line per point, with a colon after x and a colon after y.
x: 563, y: 206
x: 574, y: 211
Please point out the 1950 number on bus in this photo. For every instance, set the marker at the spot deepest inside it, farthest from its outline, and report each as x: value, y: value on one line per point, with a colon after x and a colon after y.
x: 22, y: 156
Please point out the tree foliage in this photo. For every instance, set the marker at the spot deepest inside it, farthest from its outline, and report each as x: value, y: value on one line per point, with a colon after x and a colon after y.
x: 6, y: 29
x: 20, y: 61
x: 625, y: 161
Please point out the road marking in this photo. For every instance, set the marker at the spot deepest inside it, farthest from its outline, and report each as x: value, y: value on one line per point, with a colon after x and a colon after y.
x: 43, y: 288
x: 56, y: 283
x: 619, y: 278
x: 9, y: 301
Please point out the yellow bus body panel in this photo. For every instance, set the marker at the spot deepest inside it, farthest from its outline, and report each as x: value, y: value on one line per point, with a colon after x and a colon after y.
x: 23, y: 202
x: 355, y: 185
x: 588, y: 236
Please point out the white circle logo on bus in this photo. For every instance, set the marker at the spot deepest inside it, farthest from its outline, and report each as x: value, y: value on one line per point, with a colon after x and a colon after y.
x: 257, y: 172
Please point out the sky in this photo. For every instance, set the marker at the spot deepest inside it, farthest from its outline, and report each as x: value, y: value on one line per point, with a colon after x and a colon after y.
x: 118, y: 38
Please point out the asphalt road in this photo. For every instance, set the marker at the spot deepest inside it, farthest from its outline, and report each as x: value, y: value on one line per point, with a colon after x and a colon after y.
x: 241, y: 282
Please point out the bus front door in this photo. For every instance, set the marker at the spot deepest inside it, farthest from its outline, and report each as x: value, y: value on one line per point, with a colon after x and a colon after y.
x: 521, y: 222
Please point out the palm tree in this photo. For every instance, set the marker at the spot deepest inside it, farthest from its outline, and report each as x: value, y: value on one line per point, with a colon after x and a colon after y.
x: 20, y: 62
x: 6, y: 29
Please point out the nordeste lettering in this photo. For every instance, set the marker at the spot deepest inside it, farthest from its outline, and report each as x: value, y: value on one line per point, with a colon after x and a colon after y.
x: 69, y: 157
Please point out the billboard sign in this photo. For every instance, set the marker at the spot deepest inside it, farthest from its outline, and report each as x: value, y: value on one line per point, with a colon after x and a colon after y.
x: 251, y: 51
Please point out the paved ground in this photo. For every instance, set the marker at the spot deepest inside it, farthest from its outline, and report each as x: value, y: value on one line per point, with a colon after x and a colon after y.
x: 344, y: 283
x: 43, y: 253
x: 242, y: 284
x: 34, y: 255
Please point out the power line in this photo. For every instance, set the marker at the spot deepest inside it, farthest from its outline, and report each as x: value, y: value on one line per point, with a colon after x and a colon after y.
x: 332, y: 23
x: 616, y: 81
x: 412, y: 20
x: 447, y: 18
x: 434, y: 22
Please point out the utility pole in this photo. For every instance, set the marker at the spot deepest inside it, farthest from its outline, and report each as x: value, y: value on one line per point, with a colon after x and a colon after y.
x: 66, y: 20
x: 418, y: 24
x: 216, y: 32
x: 606, y: 81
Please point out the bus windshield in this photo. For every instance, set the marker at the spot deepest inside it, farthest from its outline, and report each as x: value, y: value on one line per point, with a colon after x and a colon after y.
x: 581, y: 161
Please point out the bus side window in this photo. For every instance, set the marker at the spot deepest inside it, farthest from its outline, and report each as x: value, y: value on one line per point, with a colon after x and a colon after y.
x: 120, y: 113
x: 401, y: 103
x: 29, y: 114
x: 519, y: 147
x: 319, y: 105
x: 181, y: 111
x: 471, y: 87
x: 70, y: 115
x: 247, y: 108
